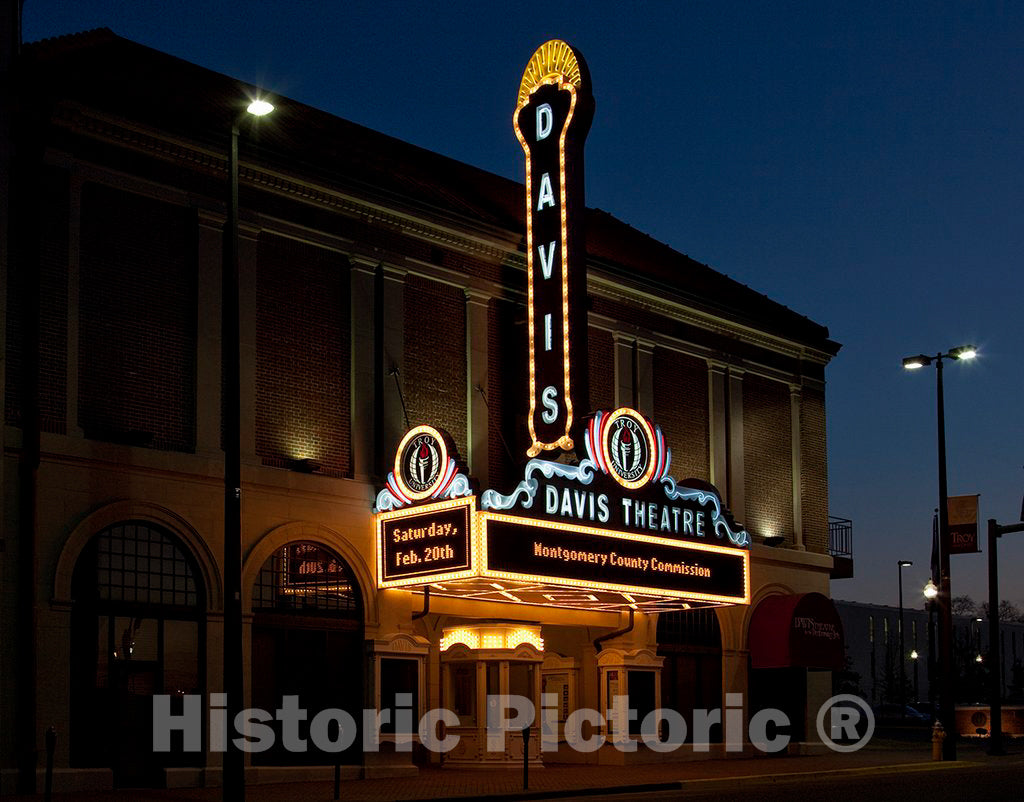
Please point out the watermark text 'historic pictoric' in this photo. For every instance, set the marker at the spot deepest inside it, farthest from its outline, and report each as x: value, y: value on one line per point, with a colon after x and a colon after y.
x: 845, y: 723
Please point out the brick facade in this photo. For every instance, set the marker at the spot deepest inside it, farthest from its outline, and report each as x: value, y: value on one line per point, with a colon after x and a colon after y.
x: 507, y: 391
x: 53, y: 312
x: 814, y: 474
x: 434, y: 376
x: 681, y: 409
x: 768, y: 465
x: 137, y: 320
x: 302, y: 355
x: 601, y: 349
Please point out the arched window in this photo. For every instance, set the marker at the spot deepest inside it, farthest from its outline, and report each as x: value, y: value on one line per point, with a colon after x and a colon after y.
x: 308, y: 579
x: 138, y: 629
x: 307, y: 641
x: 138, y: 563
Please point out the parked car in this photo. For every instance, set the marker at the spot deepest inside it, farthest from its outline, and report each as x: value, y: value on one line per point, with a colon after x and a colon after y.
x: 900, y: 714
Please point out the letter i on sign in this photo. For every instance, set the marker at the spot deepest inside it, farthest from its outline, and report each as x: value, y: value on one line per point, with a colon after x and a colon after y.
x: 552, y: 118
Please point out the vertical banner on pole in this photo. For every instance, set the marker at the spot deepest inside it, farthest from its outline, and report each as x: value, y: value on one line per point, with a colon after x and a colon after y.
x: 963, y: 524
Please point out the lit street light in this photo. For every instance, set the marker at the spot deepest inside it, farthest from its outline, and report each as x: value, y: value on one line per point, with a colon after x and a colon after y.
x: 914, y: 656
x: 930, y: 592
x: 234, y: 758
x: 900, y: 565
x: 944, y: 598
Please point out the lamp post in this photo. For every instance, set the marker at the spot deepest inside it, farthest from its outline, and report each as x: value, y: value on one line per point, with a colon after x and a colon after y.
x: 930, y: 592
x: 914, y: 656
x: 900, y: 565
x: 944, y: 597
x: 234, y: 758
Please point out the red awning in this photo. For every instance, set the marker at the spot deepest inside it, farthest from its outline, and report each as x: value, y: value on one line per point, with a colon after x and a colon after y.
x: 796, y: 630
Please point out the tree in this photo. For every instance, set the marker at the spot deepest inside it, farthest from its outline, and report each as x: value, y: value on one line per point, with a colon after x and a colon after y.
x: 1008, y: 611
x: 964, y: 605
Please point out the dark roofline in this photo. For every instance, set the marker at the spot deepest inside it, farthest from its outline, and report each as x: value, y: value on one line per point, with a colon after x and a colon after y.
x: 388, y: 169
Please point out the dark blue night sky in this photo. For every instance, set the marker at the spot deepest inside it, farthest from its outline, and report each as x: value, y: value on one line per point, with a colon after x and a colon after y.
x: 861, y: 163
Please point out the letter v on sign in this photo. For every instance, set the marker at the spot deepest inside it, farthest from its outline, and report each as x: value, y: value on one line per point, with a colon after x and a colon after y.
x: 547, y: 258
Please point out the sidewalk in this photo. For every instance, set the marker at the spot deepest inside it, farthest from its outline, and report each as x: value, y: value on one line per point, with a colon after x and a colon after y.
x: 562, y: 780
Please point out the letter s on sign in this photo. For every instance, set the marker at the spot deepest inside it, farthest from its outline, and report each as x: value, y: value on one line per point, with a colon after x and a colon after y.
x: 550, y: 413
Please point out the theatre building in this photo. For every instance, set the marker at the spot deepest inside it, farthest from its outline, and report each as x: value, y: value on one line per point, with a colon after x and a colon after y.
x: 492, y: 441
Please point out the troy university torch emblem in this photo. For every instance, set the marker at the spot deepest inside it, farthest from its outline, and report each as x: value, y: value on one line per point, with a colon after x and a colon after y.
x: 552, y: 118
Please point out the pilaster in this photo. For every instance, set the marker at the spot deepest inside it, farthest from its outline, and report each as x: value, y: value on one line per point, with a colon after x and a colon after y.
x: 72, y: 342
x: 718, y: 428
x: 393, y: 356
x: 737, y: 498
x: 795, y: 398
x: 209, y: 259
x: 248, y: 266
x: 362, y: 390
x: 477, y: 439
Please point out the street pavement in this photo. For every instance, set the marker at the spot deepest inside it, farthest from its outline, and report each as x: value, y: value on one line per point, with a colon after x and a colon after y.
x: 887, y: 768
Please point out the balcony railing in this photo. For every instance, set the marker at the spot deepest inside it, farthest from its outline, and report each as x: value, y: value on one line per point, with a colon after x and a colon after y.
x: 840, y: 537
x: 840, y: 546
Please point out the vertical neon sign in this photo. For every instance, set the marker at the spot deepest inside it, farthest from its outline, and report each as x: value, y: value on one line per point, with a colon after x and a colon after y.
x: 552, y: 119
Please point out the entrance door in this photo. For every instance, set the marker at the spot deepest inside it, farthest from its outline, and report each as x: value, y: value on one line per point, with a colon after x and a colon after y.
x: 691, y: 676
x: 307, y: 641
x: 782, y: 689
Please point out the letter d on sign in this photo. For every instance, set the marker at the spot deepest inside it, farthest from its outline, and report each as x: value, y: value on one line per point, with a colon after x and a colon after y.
x: 544, y: 121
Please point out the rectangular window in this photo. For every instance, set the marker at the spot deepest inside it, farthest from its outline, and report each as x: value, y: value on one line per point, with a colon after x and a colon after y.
x: 520, y: 680
x: 464, y: 692
x: 398, y: 676
x: 641, y: 699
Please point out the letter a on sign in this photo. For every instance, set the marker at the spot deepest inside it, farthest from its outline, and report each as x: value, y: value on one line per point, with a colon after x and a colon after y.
x: 552, y: 118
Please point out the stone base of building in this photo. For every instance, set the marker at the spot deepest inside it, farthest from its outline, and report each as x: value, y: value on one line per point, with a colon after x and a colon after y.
x: 64, y: 780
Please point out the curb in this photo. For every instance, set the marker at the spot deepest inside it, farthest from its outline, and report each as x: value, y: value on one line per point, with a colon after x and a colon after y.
x: 792, y: 776
x: 636, y: 788
x: 710, y: 783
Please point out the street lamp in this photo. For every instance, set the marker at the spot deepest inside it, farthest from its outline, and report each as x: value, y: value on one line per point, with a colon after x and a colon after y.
x: 234, y: 758
x: 900, y: 565
x: 930, y: 592
x: 914, y: 656
x: 944, y: 597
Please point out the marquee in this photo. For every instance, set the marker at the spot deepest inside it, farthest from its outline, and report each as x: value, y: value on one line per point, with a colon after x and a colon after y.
x: 601, y: 524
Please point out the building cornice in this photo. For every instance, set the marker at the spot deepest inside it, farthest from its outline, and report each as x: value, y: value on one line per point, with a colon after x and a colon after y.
x: 491, y: 242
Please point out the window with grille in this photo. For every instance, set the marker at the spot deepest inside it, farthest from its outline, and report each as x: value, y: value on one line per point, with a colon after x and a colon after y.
x: 306, y: 578
x: 141, y: 563
x: 690, y: 627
